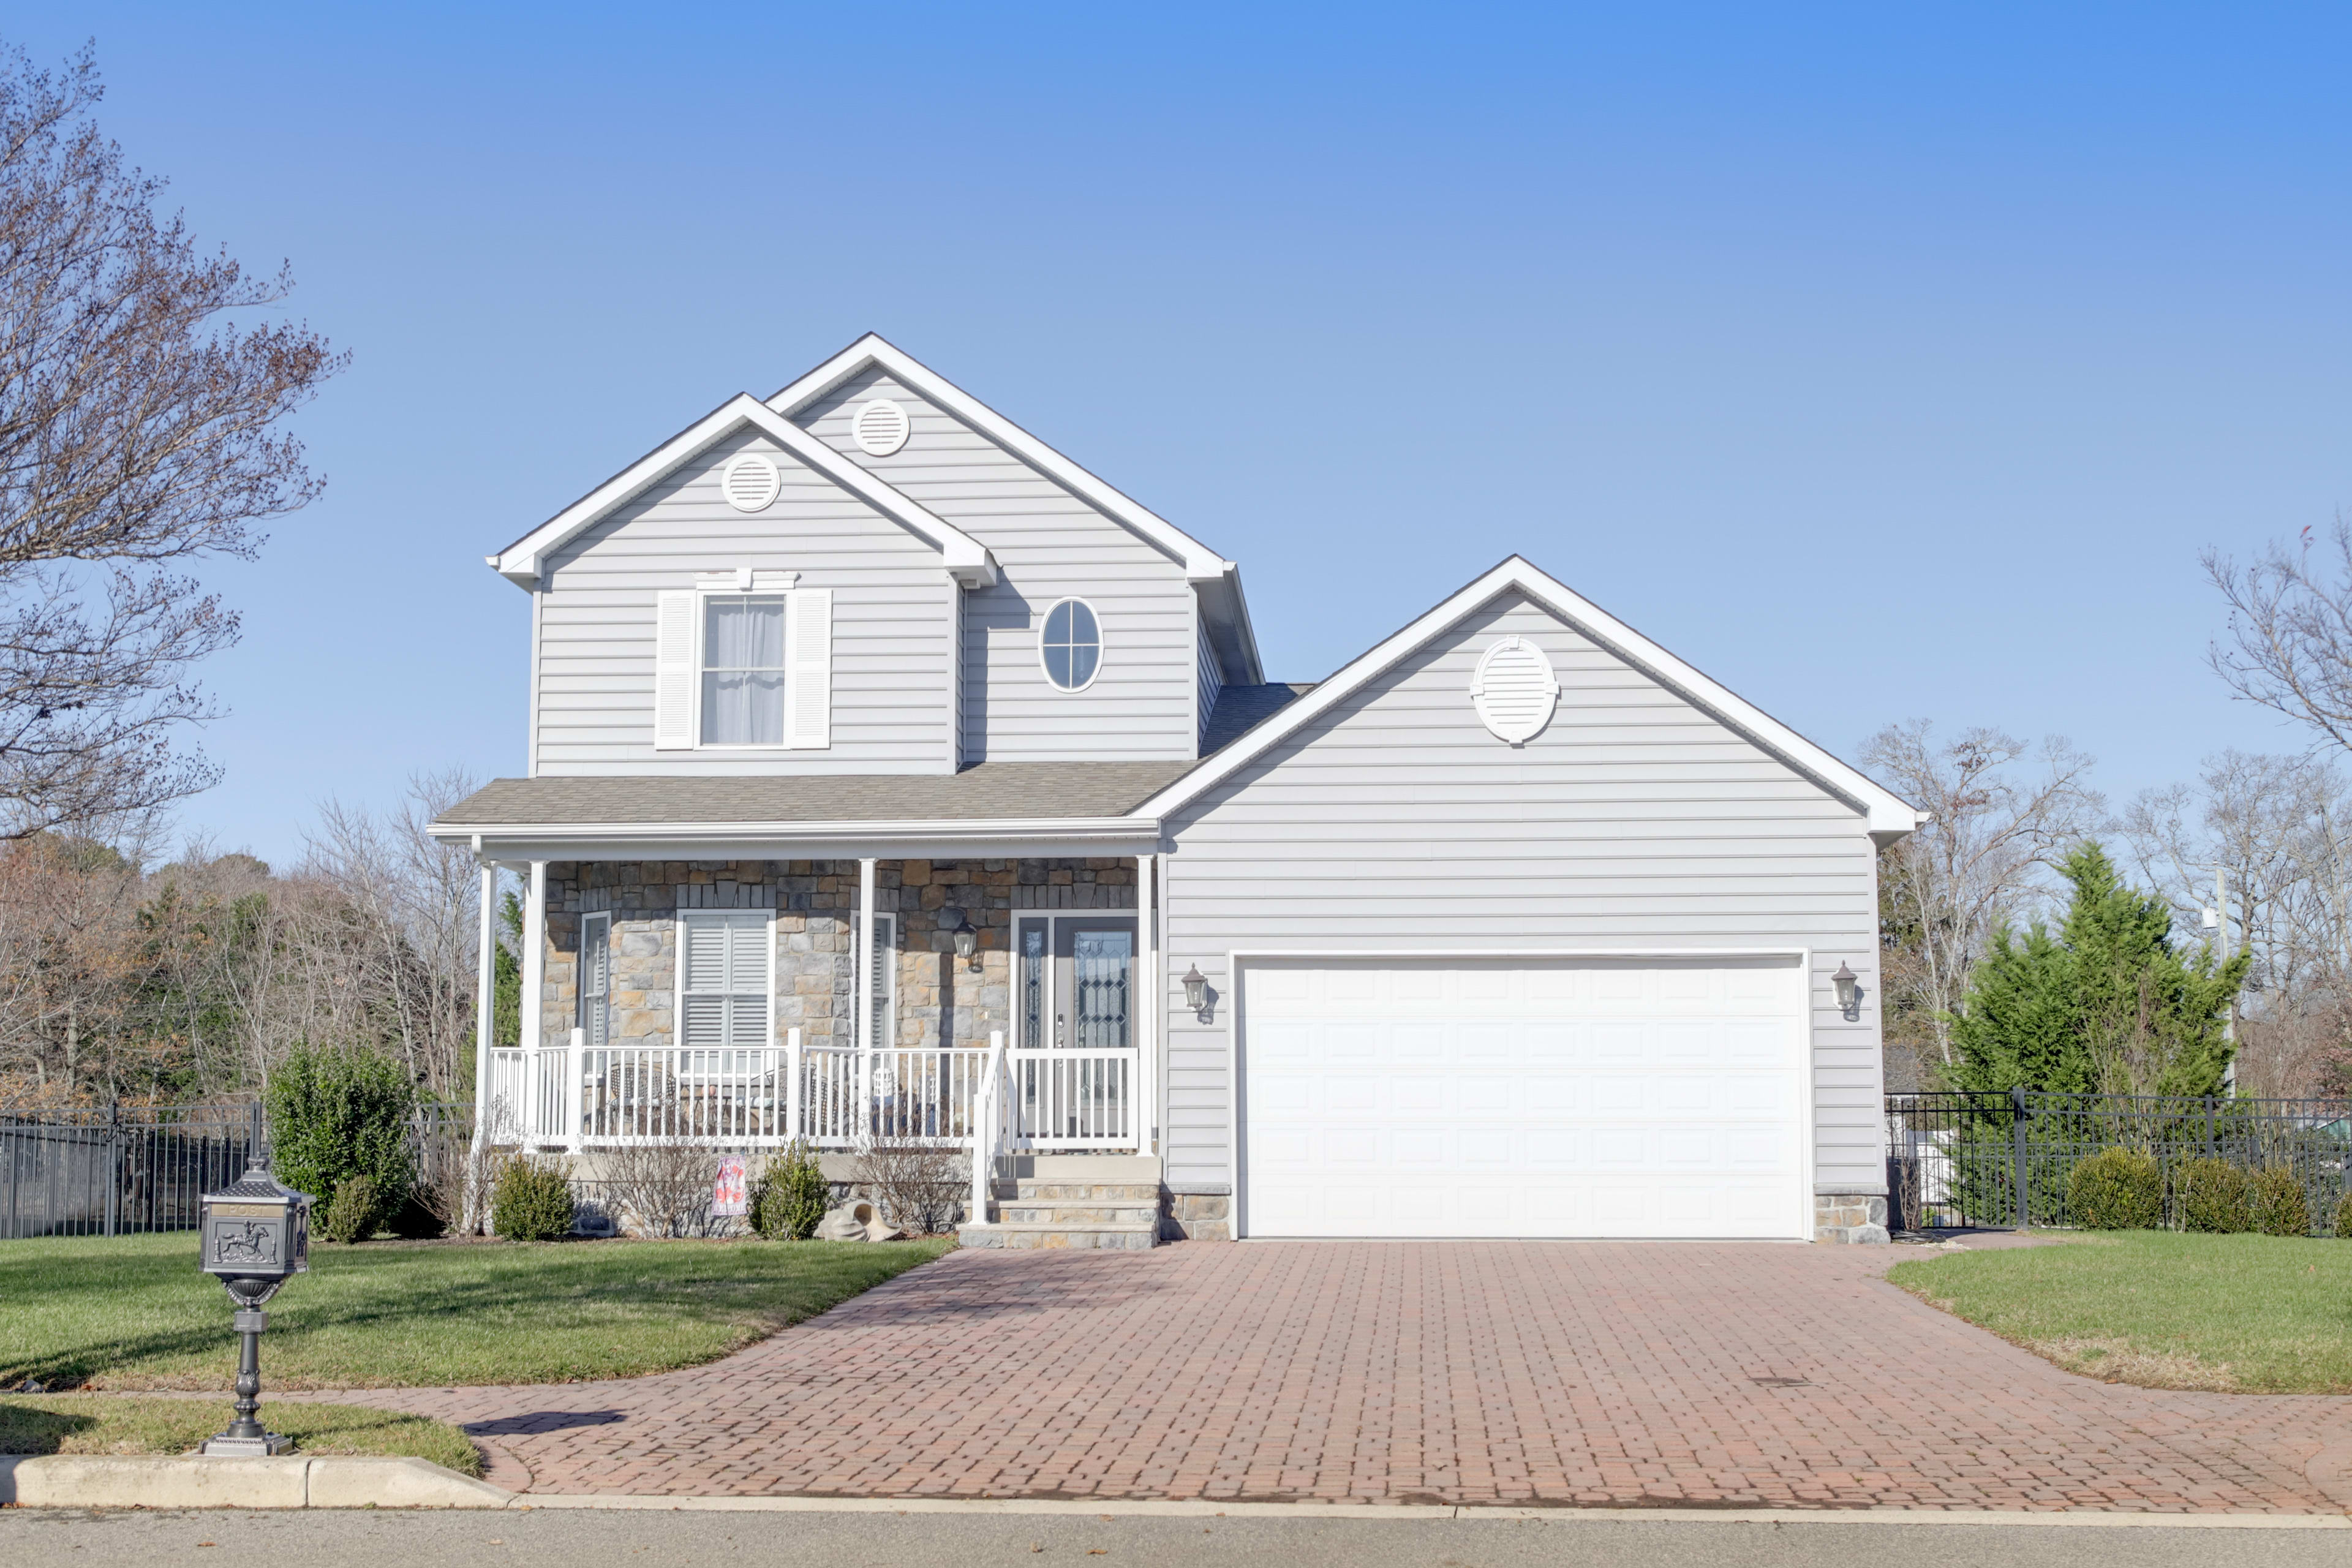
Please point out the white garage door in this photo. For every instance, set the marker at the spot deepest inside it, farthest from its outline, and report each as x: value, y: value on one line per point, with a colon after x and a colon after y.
x: 1453, y: 1098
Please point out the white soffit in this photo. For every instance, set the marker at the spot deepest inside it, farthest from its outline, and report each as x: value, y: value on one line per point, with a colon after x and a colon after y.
x: 1890, y: 816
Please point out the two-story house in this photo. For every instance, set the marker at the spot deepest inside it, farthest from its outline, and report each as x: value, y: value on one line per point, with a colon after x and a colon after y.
x: 890, y: 774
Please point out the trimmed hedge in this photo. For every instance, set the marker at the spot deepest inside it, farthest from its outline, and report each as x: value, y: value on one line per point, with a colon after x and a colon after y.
x: 532, y: 1201
x: 2117, y: 1189
x: 354, y: 1212
x: 336, y: 1115
x: 2214, y: 1195
x: 2344, y: 1219
x: 2278, y: 1203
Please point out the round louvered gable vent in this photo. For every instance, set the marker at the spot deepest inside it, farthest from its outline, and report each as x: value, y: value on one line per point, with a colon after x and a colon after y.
x: 751, y: 482
x: 881, y: 427
x: 1515, y: 690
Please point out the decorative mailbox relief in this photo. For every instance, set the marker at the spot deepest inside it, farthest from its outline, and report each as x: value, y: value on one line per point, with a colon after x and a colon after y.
x: 256, y: 1230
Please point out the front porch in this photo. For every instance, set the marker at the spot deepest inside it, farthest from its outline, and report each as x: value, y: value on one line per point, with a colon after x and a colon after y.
x: 992, y: 1002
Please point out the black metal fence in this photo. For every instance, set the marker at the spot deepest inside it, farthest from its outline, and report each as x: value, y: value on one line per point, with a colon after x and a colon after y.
x: 116, y: 1170
x: 2005, y: 1159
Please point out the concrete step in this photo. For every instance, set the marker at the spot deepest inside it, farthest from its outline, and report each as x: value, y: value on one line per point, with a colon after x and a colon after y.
x: 1019, y: 1237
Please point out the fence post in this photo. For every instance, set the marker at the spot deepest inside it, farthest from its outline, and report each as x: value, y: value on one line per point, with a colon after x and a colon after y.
x: 2212, y: 1150
x: 2017, y: 1140
x: 114, y: 1172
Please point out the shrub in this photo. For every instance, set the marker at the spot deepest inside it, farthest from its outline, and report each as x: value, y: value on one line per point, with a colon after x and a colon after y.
x: 2279, y: 1206
x: 334, y: 1115
x: 533, y: 1200
x: 2344, y: 1219
x: 919, y: 1183
x: 354, y: 1212
x: 2117, y: 1189
x: 417, y: 1220
x: 2214, y: 1195
x: 792, y: 1196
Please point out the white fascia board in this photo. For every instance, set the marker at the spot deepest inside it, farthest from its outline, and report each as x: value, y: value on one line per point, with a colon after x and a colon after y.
x: 962, y: 555
x: 996, y: 836
x: 1201, y: 563
x: 1889, y: 816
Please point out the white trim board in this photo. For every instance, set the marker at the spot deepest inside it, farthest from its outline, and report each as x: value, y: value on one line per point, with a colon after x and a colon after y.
x: 1889, y: 816
x: 965, y: 560
x: 1202, y: 567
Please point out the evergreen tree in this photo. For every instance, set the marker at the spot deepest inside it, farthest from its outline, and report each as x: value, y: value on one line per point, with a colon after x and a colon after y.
x: 2106, y: 1004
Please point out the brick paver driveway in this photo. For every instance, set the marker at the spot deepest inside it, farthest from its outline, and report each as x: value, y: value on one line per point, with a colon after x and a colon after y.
x: 1464, y: 1371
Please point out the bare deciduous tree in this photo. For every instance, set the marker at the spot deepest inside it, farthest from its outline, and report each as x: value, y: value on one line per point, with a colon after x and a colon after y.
x: 138, y: 429
x: 1999, y: 814
x: 2290, y: 636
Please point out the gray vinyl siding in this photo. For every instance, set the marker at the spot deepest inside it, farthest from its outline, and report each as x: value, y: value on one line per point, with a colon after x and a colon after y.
x: 1634, y: 821
x: 1049, y: 545
x: 892, y: 624
x: 1208, y: 684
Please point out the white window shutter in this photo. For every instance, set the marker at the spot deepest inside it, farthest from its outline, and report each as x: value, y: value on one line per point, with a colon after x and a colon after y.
x: 809, y: 686
x: 674, y: 669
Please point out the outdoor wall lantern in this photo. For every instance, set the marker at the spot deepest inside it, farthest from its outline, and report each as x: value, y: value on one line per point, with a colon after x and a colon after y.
x: 255, y: 1237
x: 1196, y: 993
x: 967, y: 939
x: 1849, y: 989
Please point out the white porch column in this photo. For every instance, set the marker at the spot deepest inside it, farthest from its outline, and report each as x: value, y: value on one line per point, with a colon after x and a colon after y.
x: 1148, y: 1000
x: 864, y: 947
x: 486, y: 1001
x: 534, y: 976
x: 485, y: 1005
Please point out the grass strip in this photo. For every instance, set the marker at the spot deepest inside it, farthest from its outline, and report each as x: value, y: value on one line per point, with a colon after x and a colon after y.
x: 2234, y: 1314
x: 133, y: 1312
x: 98, y: 1424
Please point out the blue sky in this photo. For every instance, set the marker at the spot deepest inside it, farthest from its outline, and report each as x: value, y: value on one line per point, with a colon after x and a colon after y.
x: 1879, y: 361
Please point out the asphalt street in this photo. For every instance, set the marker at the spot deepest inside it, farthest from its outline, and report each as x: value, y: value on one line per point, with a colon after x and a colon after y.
x: 565, y: 1539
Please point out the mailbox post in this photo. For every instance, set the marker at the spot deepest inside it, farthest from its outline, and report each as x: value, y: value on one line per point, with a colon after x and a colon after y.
x: 256, y: 1235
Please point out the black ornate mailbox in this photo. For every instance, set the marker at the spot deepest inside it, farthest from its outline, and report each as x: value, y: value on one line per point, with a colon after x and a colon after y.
x: 257, y: 1236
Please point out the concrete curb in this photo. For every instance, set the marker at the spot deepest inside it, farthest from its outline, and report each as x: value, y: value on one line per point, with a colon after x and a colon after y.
x: 1428, y: 1513
x: 106, y: 1480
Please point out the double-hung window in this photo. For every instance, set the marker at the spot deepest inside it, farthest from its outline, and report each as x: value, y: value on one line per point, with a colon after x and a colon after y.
x: 743, y: 662
x: 724, y: 961
x: 743, y: 669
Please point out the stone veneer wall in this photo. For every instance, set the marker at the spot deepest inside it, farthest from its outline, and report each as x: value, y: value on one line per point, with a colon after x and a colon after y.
x: 1850, y: 1218
x: 940, y: 1000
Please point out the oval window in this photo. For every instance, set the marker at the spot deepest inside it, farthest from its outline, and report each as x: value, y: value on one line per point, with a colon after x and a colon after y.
x: 1071, y: 644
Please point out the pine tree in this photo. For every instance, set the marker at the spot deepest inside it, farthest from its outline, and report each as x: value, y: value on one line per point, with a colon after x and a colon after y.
x: 2106, y: 1004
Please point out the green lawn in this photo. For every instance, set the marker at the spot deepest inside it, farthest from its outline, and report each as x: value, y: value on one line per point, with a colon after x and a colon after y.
x: 134, y: 1313
x: 2252, y: 1314
x: 97, y: 1424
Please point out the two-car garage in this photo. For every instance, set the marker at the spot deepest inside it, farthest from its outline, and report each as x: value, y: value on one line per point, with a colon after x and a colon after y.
x: 1512, y: 1097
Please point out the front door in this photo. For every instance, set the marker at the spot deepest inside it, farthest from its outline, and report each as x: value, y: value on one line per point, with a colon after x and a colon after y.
x: 1076, y: 984
x: 1074, y: 1069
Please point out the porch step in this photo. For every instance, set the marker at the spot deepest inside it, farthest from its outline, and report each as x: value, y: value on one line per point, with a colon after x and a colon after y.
x: 1071, y: 1214
x: 1109, y: 1211
x: 1018, y: 1237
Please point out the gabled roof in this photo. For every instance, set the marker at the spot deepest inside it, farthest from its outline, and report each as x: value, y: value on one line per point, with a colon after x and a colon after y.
x: 1217, y: 580
x: 962, y: 555
x: 1889, y: 815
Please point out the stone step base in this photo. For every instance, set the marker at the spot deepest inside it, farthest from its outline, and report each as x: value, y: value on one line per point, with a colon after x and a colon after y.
x: 1034, y: 1191
x: 1022, y: 1212
x: 1055, y: 1236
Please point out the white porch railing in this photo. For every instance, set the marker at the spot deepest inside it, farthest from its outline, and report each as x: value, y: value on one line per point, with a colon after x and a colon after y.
x: 835, y: 1098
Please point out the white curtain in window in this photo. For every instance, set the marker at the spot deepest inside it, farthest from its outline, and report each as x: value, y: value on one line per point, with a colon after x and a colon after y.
x: 743, y: 672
